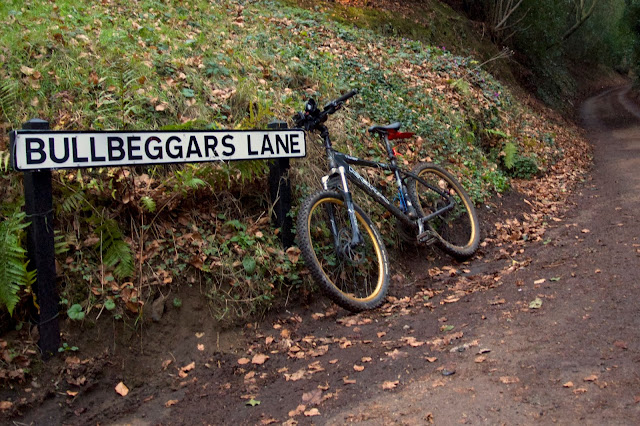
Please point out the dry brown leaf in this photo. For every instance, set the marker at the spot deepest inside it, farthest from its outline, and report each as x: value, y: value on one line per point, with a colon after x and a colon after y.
x: 299, y: 410
x: 184, y: 370
x: 431, y: 359
x: 5, y: 405
x: 295, y: 376
x: 259, y: 359
x: 200, y: 347
x: 347, y: 381
x: 122, y: 389
x: 366, y: 359
x: 591, y: 378
x: 314, y: 397
x: 480, y: 359
x: 568, y: 385
x: 312, y: 412
x: 170, y: 402
x: 390, y: 385
x: 357, y: 367
x: 579, y: 390
x: 244, y: 361
x: 540, y: 281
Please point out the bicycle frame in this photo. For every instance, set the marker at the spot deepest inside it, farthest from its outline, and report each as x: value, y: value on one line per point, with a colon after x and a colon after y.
x: 340, y: 166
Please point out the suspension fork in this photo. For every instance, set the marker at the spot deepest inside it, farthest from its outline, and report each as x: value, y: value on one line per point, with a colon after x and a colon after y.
x: 339, y: 170
x: 356, y: 235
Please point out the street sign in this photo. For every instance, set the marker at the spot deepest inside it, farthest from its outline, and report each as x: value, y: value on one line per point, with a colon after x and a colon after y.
x: 40, y: 150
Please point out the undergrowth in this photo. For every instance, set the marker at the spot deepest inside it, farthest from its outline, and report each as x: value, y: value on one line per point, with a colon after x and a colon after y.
x: 132, y: 233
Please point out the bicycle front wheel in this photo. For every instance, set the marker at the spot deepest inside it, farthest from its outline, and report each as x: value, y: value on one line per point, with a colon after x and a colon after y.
x: 456, y: 230
x: 356, y: 278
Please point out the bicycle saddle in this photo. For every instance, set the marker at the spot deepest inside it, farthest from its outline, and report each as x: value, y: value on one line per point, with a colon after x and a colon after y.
x: 385, y: 129
x: 391, y: 130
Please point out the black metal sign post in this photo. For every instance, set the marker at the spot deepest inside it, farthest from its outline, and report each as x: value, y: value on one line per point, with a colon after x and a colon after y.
x: 280, y: 190
x: 38, y: 200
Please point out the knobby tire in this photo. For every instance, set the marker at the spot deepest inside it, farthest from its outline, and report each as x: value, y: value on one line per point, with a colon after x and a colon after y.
x: 357, y: 281
x: 457, y: 231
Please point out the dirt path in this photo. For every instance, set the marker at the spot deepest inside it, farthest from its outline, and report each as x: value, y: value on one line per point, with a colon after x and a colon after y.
x: 555, y: 340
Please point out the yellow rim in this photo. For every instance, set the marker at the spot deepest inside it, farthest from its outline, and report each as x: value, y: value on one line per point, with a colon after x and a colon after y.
x: 375, y: 244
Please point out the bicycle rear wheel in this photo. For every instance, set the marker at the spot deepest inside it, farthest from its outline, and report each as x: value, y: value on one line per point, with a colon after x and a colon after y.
x: 457, y: 230
x: 356, y: 278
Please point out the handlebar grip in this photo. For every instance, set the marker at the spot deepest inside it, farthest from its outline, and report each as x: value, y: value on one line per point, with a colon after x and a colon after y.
x: 346, y: 96
x: 336, y: 103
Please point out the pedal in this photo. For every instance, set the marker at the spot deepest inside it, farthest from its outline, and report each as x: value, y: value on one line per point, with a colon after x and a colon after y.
x: 427, y: 237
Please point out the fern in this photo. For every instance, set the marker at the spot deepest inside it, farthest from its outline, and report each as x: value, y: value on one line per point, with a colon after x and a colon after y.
x: 115, y: 251
x: 73, y: 202
x: 13, y: 263
x: 148, y: 203
x: 4, y: 161
x: 510, y: 152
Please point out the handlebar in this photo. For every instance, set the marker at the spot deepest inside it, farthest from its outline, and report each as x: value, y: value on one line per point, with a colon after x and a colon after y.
x: 342, y: 99
x: 312, y: 118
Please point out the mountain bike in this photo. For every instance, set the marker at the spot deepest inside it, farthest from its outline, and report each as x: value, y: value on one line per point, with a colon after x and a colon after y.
x: 343, y: 248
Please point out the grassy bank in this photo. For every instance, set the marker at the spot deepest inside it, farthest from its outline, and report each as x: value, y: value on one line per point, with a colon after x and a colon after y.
x: 127, y: 236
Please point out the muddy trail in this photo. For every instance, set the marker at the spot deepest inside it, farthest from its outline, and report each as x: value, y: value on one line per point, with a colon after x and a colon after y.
x: 540, y: 333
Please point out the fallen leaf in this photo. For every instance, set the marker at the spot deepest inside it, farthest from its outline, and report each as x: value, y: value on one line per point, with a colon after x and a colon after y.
x: 200, y: 347
x: 591, y: 378
x: 295, y: 376
x: 358, y: 367
x: 170, y: 402
x: 579, y: 390
x: 585, y: 231
x: 199, y: 335
x: 568, y: 385
x: 122, y: 389
x: 244, y: 361
x: 620, y: 344
x: 26, y: 70
x: 366, y: 359
x: 540, y: 281
x: 259, y: 359
x: 480, y: 359
x: 72, y: 393
x: 299, y: 410
x: 388, y: 385
x: 347, y: 381
x: 184, y: 370
x: 536, y: 303
x: 312, y: 412
x: 314, y: 397
x: 507, y: 380
x: 431, y: 359
x: 252, y: 402
x: 166, y: 363
x: 5, y: 405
